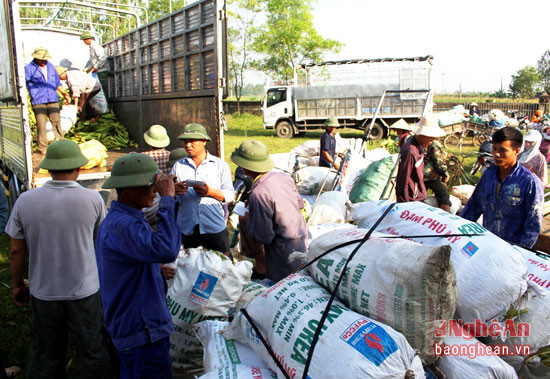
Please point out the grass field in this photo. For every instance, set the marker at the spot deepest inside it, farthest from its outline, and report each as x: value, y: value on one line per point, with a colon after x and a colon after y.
x: 15, y: 324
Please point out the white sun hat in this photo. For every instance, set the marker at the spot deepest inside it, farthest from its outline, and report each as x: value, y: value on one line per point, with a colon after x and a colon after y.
x: 428, y: 126
x: 400, y: 124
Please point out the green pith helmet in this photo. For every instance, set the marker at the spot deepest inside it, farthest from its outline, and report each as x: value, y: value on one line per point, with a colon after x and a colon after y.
x: 132, y: 170
x: 253, y: 155
x: 194, y: 131
x: 41, y: 53
x: 332, y: 122
x: 176, y: 155
x: 156, y: 136
x: 63, y: 155
x: 86, y: 35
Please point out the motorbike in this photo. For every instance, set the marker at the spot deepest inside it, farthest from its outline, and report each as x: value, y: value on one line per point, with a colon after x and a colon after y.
x: 484, y: 158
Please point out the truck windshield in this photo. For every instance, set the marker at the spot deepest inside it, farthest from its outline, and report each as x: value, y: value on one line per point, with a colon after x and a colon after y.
x: 275, y: 96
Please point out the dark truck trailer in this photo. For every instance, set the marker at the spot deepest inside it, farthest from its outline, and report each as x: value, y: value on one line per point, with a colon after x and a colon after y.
x: 172, y: 72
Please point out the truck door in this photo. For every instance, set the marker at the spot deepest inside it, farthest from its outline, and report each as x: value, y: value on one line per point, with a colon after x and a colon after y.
x: 277, y: 105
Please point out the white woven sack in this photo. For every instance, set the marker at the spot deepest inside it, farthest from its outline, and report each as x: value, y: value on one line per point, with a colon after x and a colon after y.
x: 329, y: 208
x: 410, y: 289
x: 456, y: 205
x: 206, y: 286
x: 225, y: 359
x: 307, y: 149
x: 351, y: 345
x: 310, y: 179
x: 538, y: 268
x: 315, y: 231
x: 463, y: 192
x: 532, y: 310
x: 356, y: 165
x: 479, y: 367
x: 491, y: 275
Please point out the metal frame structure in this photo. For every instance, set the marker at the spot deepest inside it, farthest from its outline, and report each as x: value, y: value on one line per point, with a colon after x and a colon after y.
x: 174, y: 56
x: 174, y: 66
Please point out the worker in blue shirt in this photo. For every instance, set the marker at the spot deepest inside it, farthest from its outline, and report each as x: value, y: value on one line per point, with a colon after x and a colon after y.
x: 43, y: 83
x: 510, y: 197
x: 328, y: 144
x: 129, y: 254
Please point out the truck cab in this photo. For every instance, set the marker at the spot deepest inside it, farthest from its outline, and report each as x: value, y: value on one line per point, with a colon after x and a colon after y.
x: 277, y: 110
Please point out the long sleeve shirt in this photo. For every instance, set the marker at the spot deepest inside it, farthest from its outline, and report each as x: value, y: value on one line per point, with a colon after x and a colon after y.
x: 97, y: 55
x: 204, y: 211
x: 129, y: 254
x: 409, y: 185
x: 275, y: 220
x: 42, y: 89
x: 511, y: 209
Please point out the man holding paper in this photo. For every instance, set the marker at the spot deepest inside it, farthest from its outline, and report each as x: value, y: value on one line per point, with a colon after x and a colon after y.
x: 274, y: 217
x: 204, y: 185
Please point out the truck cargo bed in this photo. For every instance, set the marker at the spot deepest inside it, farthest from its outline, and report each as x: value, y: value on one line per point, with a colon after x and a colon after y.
x: 93, y: 173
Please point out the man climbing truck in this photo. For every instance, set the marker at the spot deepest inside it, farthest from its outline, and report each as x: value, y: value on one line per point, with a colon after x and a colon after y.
x: 350, y: 91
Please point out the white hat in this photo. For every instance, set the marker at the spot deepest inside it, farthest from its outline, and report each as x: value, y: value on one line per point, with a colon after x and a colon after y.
x: 428, y: 126
x: 400, y: 124
x: 473, y: 104
x: 532, y: 136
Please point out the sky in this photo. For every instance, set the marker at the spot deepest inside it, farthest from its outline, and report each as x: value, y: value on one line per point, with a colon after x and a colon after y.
x: 475, y: 44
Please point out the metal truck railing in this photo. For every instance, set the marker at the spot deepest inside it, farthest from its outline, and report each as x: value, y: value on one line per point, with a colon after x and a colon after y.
x: 171, y: 72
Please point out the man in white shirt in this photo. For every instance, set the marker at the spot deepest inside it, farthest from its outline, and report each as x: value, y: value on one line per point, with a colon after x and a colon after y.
x: 83, y: 88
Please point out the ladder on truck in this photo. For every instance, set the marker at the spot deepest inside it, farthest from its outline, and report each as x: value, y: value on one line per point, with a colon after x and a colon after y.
x: 389, y: 189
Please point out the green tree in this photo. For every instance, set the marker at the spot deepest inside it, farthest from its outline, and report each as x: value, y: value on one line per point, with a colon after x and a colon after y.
x: 159, y: 8
x: 543, y: 69
x: 525, y: 82
x: 242, y: 15
x: 288, y: 38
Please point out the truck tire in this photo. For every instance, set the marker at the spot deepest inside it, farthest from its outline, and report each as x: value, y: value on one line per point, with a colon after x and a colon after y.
x: 377, y: 132
x: 284, y: 130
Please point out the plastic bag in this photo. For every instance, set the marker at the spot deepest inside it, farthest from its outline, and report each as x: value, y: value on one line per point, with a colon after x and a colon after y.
x: 371, y: 183
x: 96, y: 153
x: 329, y: 208
x: 68, y: 120
x: 99, y: 103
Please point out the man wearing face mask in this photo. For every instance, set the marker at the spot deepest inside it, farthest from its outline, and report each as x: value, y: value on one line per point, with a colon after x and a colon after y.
x: 129, y: 253
x: 509, y: 196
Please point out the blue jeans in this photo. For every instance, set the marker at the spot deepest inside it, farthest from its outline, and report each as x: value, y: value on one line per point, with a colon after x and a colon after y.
x: 151, y: 361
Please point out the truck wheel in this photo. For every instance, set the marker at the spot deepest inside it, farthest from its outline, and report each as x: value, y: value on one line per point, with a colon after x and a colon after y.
x: 284, y: 130
x: 377, y: 132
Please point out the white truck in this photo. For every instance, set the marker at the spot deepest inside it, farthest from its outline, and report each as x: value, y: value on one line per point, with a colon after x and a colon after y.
x: 350, y: 91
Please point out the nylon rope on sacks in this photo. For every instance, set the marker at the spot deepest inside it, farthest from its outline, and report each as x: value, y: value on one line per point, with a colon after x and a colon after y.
x: 324, y: 316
